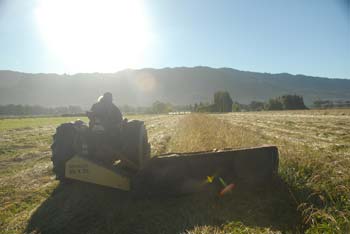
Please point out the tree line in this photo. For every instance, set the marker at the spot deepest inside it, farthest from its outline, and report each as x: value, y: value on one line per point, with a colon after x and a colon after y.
x: 27, y: 110
x: 222, y: 102
x: 323, y: 104
x: 157, y: 107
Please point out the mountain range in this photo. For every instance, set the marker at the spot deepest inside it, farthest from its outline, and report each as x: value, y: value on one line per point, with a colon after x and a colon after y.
x: 180, y: 86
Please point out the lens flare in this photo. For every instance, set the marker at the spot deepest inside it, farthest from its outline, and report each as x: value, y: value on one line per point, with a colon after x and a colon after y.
x: 146, y: 82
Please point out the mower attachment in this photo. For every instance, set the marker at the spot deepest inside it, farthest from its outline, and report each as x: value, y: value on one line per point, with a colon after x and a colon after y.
x: 191, y: 172
x: 183, y: 172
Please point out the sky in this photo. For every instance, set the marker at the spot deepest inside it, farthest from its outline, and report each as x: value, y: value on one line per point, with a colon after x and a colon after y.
x: 71, y: 36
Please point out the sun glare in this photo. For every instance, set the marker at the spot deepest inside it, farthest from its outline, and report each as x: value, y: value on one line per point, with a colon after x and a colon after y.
x: 94, y: 35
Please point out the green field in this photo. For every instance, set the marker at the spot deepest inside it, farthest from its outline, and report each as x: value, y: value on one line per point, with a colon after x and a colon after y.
x: 312, y: 196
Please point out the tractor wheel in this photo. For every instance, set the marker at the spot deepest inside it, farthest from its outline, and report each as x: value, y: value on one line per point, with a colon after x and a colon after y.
x: 144, y: 147
x: 135, y: 142
x: 62, y: 148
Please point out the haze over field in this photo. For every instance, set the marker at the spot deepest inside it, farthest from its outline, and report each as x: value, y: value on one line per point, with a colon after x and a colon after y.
x: 175, y: 85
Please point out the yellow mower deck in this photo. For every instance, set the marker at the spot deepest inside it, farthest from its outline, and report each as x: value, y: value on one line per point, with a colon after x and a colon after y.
x: 79, y: 168
x: 183, y: 172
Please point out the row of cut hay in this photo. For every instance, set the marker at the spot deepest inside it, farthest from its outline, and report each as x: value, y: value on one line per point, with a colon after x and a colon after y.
x: 317, y: 181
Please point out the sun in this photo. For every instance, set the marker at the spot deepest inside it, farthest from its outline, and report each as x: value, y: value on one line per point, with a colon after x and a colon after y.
x: 94, y: 35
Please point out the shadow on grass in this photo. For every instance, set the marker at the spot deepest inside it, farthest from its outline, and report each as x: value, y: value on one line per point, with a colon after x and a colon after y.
x: 86, y: 208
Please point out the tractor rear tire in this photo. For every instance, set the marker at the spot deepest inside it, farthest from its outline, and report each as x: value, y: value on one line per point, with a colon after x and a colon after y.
x: 135, y: 142
x: 63, y: 148
x: 144, y: 146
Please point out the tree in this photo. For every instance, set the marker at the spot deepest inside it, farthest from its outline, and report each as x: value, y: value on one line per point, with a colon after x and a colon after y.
x: 256, y: 106
x: 207, y: 108
x: 236, y: 107
x: 161, y: 107
x: 274, y: 104
x: 286, y: 102
x: 195, y: 107
x: 293, y: 102
x: 223, y: 102
x: 12, y: 109
x: 323, y: 104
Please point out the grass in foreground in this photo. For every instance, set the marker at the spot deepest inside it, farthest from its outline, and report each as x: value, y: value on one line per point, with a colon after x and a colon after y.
x: 313, y: 198
x: 315, y: 158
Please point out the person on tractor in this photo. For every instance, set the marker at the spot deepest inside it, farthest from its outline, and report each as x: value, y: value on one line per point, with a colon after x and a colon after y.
x: 105, y: 113
x: 106, y: 124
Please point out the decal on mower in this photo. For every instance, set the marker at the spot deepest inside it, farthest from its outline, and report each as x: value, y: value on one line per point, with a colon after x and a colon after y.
x: 78, y: 168
x: 83, y: 169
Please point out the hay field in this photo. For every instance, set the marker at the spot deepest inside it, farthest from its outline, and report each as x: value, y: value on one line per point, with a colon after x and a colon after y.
x: 312, y: 195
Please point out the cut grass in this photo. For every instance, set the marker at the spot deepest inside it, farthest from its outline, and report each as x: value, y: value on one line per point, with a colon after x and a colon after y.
x: 29, y: 123
x: 316, y: 168
x: 26, y: 178
x: 313, y: 195
x: 201, y: 132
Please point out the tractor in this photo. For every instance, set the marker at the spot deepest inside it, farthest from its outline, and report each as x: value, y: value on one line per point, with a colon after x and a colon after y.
x: 121, y: 159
